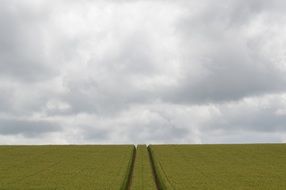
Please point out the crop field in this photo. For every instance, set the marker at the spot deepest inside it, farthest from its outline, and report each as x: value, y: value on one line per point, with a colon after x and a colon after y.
x: 247, y: 167
x: 125, y: 167
x: 142, y: 178
x: 65, y: 167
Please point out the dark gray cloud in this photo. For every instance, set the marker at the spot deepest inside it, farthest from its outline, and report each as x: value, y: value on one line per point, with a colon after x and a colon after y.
x: 159, y: 129
x: 5, y: 101
x: 23, y: 46
x: 231, y: 76
x: 111, y: 85
x: 92, y: 134
x: 242, y: 137
x: 229, y: 54
x: 259, y: 117
x: 27, y: 128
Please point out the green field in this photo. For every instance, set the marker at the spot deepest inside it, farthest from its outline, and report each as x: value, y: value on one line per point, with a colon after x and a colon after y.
x: 142, y: 178
x: 247, y: 167
x: 65, y: 167
x: 122, y: 167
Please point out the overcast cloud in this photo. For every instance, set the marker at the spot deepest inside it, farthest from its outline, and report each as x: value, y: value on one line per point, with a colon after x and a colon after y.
x: 140, y: 71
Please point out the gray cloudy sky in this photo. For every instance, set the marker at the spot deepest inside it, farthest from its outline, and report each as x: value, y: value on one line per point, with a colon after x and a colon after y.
x: 139, y: 71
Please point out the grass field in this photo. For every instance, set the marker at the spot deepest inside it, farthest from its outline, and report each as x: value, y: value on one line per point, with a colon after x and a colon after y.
x: 65, y: 167
x: 110, y: 167
x: 142, y: 178
x: 243, y: 167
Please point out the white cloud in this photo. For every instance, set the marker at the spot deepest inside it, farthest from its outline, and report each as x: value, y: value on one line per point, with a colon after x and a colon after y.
x: 142, y: 71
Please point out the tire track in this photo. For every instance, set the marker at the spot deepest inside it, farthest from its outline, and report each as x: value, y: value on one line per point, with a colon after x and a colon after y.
x: 129, y: 180
x: 155, y: 175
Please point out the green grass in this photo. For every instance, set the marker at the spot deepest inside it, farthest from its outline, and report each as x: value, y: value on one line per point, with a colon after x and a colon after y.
x: 108, y: 167
x: 243, y: 167
x: 65, y: 167
x: 142, y: 178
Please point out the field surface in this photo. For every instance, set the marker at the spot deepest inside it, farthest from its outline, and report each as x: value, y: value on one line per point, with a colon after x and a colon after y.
x: 65, y: 167
x: 243, y: 167
x: 112, y: 167
x: 142, y: 178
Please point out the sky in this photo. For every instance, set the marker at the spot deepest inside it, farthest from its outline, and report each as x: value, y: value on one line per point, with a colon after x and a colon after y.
x: 142, y: 71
